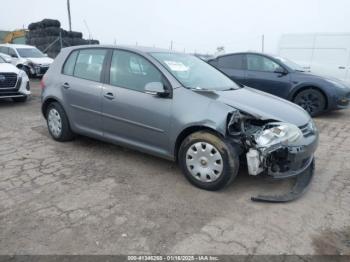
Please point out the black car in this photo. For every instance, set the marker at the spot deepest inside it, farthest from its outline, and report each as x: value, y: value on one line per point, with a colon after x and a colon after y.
x: 284, y: 78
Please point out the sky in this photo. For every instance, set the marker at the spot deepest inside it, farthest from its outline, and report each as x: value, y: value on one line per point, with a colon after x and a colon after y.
x: 191, y: 25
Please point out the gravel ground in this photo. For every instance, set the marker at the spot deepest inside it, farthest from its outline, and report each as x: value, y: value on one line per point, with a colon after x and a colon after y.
x: 89, y: 197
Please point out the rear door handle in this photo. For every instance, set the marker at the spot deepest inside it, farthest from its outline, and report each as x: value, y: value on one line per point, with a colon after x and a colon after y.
x: 66, y: 85
x: 341, y: 67
x: 109, y: 95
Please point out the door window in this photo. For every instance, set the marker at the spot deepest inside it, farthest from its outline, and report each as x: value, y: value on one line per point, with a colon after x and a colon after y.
x: 261, y: 63
x: 89, y: 64
x: 12, y: 53
x: 231, y: 62
x: 132, y: 71
x: 69, y: 65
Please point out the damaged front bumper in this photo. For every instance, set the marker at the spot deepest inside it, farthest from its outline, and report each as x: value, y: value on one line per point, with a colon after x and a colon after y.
x: 286, y: 160
x: 303, y: 180
x: 278, y: 150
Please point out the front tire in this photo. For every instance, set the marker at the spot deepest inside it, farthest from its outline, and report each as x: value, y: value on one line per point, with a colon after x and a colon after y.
x: 312, y: 100
x: 58, y: 124
x: 208, y: 161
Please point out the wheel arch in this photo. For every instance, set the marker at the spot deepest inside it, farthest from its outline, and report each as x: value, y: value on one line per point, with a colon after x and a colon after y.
x: 190, y: 130
x: 309, y: 86
x: 46, y: 104
x: 20, y: 66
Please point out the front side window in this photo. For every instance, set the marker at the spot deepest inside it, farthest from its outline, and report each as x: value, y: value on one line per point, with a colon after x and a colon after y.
x: 261, y: 63
x: 89, y: 64
x: 231, y: 62
x: 194, y: 73
x: 2, y: 60
x: 132, y: 71
x: 30, y: 53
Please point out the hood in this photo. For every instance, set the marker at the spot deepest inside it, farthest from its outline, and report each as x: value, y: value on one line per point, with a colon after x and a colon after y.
x: 263, y: 106
x: 41, y: 60
x: 8, y: 68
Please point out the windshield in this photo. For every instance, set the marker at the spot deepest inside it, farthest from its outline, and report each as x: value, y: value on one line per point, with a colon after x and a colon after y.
x: 290, y: 64
x: 194, y: 73
x: 30, y: 53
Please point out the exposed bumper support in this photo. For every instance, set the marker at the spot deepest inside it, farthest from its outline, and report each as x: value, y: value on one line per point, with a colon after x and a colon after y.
x: 300, y: 187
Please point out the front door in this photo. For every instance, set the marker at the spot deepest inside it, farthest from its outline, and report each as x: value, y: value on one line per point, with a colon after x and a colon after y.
x: 130, y: 115
x: 262, y: 75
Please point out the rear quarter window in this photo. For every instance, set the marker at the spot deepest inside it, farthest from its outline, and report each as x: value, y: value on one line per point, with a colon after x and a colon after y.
x: 68, y: 68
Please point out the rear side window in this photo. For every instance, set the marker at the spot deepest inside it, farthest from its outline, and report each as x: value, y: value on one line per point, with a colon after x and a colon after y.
x: 86, y: 64
x: 12, y: 53
x: 68, y: 68
x: 231, y: 62
x: 89, y: 64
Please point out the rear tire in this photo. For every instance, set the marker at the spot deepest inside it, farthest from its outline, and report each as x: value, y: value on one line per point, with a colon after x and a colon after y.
x: 57, y: 123
x: 208, y: 161
x: 20, y: 99
x: 312, y: 100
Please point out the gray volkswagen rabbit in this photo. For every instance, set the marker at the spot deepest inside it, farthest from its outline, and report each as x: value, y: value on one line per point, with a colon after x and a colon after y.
x: 178, y: 107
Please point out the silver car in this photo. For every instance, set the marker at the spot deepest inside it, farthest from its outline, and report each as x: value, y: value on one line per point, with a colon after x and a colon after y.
x: 178, y: 107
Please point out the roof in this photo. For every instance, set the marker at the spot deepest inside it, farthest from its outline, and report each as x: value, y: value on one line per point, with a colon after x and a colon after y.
x: 17, y: 45
x: 141, y: 49
x: 245, y: 53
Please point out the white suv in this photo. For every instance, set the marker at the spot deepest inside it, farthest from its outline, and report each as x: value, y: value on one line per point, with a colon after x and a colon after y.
x: 28, y: 58
x: 14, y: 83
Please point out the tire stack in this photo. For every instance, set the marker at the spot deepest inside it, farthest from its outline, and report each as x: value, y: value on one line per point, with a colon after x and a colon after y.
x: 42, y: 34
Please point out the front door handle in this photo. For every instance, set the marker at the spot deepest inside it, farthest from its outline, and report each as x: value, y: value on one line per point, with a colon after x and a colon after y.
x: 109, y: 95
x: 66, y: 85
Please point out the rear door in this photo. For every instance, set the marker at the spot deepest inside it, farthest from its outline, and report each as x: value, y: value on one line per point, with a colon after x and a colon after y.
x: 130, y: 115
x: 233, y: 66
x: 261, y: 75
x: 81, y: 83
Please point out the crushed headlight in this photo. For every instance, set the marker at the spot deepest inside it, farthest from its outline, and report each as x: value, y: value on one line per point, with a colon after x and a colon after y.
x: 275, y: 133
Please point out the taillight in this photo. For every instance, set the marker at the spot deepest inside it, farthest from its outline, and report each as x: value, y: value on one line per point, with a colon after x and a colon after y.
x: 42, y: 84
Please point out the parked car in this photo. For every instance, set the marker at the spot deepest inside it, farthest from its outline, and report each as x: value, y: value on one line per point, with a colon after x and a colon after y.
x: 284, y: 78
x: 178, y: 107
x: 14, y: 83
x: 28, y: 58
x: 320, y: 53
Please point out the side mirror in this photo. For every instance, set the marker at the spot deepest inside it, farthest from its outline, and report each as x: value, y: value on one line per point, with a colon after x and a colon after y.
x: 281, y: 71
x: 8, y: 60
x: 155, y: 88
x: 45, y: 55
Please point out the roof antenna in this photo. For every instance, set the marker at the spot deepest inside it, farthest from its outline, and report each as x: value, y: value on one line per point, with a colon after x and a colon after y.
x: 87, y: 27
